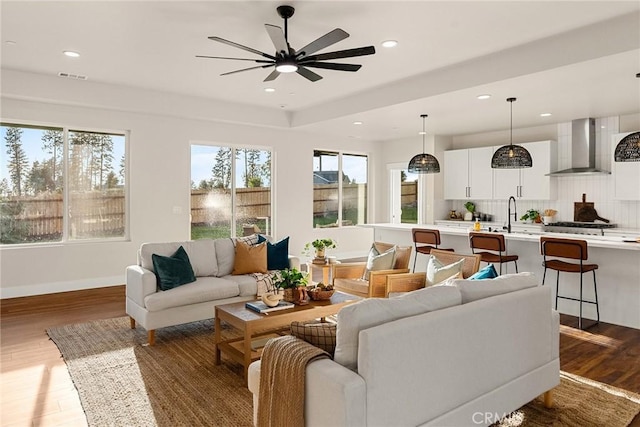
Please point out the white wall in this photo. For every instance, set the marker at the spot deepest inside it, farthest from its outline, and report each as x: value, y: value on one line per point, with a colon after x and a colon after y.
x: 159, y: 179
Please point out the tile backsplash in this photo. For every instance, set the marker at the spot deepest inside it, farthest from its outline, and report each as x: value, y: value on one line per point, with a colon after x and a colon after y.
x: 598, y: 188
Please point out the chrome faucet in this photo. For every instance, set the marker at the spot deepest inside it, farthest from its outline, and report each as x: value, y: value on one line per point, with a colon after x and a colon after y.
x: 515, y: 214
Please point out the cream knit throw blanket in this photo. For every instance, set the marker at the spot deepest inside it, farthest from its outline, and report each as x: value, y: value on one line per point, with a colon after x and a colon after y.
x: 282, y: 375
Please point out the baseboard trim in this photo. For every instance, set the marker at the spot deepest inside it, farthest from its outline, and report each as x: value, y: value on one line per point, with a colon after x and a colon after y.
x: 57, y: 287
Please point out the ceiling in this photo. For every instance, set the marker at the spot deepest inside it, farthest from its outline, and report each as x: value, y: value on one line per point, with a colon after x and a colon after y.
x: 572, y: 59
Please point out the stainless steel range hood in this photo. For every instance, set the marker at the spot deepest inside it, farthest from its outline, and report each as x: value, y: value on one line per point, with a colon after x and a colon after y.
x: 583, y: 150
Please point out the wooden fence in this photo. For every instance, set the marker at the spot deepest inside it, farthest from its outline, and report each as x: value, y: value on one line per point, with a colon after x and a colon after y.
x: 97, y: 214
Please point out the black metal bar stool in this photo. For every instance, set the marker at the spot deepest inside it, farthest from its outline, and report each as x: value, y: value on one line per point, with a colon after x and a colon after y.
x: 572, y: 249
x: 493, y: 242
x: 424, y: 240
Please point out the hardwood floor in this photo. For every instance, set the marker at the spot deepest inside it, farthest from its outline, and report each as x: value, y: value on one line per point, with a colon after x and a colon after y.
x: 37, y: 390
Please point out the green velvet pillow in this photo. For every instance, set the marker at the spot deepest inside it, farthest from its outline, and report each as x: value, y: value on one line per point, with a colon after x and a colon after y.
x: 173, y: 271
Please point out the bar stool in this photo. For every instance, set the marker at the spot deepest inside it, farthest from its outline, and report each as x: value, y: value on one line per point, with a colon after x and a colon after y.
x: 491, y: 242
x: 572, y: 249
x: 424, y: 240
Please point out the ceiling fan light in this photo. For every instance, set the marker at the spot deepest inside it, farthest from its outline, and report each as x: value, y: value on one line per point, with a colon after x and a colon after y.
x: 628, y: 149
x: 287, y: 67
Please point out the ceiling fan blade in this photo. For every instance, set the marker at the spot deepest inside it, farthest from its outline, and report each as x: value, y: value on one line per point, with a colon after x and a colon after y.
x: 239, y: 46
x: 349, y: 53
x: 247, y: 69
x: 308, y: 74
x: 325, y: 41
x: 333, y: 66
x: 277, y: 37
x: 259, y: 61
x: 274, y: 75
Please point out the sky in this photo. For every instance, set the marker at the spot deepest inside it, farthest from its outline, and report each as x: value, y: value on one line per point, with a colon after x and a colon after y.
x: 32, y: 145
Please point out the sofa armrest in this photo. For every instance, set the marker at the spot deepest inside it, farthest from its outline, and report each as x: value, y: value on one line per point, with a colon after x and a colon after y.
x: 327, y: 385
x: 140, y: 283
x: 294, y: 262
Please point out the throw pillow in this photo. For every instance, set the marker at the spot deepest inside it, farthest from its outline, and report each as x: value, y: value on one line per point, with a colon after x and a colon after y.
x: 250, y: 258
x: 437, y: 272
x: 319, y: 334
x: 489, y: 272
x: 173, y: 271
x: 379, y: 261
x: 277, y: 253
x: 473, y: 290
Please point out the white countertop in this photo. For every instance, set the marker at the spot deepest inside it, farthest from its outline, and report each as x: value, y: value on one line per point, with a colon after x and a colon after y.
x: 521, y: 232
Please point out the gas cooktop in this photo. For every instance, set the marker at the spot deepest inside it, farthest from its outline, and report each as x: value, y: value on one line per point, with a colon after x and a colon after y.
x: 599, y: 225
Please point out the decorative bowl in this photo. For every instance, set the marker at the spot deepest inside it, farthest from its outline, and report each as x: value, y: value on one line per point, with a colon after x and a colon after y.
x: 318, y: 295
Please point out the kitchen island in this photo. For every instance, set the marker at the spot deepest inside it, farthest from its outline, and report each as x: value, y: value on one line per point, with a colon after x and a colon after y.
x: 618, y: 275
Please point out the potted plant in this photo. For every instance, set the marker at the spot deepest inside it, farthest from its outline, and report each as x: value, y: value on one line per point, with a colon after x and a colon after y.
x: 532, y: 214
x: 471, y: 208
x: 319, y: 245
x: 289, y: 279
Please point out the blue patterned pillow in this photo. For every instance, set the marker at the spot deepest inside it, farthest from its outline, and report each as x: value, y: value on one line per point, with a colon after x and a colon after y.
x: 489, y: 272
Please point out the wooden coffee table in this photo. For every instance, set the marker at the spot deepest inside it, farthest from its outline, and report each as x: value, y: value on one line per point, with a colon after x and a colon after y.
x: 255, y: 325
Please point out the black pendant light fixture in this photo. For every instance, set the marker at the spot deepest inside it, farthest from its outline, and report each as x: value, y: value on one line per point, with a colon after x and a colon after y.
x: 511, y: 156
x: 424, y: 163
x: 628, y: 150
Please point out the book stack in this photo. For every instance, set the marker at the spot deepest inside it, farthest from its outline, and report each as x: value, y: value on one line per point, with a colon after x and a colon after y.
x: 261, y: 307
x: 319, y: 260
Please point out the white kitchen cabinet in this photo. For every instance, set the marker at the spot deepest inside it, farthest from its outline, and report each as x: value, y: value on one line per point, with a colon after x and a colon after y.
x: 626, y: 175
x: 529, y: 183
x: 468, y: 174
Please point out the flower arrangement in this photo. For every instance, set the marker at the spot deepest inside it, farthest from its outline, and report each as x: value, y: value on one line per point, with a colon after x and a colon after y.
x: 319, y: 245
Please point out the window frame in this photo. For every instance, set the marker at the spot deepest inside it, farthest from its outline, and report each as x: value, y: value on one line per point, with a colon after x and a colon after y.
x: 65, y: 239
x: 340, y: 154
x: 232, y: 185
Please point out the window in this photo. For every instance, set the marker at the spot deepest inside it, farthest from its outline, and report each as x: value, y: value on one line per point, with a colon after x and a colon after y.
x: 339, y: 189
x: 47, y: 171
x: 230, y: 191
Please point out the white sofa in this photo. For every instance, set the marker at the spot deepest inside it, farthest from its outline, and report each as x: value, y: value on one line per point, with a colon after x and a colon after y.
x: 212, y: 262
x: 460, y: 355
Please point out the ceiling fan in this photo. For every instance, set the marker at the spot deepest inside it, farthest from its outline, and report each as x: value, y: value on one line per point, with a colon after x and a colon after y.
x: 288, y: 60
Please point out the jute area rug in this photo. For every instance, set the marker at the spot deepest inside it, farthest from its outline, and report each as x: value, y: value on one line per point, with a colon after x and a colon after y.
x: 122, y: 382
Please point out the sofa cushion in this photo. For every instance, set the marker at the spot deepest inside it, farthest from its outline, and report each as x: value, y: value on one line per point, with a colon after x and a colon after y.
x: 438, y: 272
x: 376, y: 311
x: 472, y: 290
x: 277, y: 253
x: 488, y: 272
x: 225, y: 254
x: 173, y: 271
x: 319, y: 334
x: 202, y: 290
x: 379, y: 261
x: 246, y: 284
x: 250, y: 259
x: 202, y: 255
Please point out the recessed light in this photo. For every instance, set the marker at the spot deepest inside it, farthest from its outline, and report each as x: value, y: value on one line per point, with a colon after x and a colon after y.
x: 269, y: 89
x: 484, y: 96
x: 422, y: 133
x: 71, y: 54
x: 390, y: 43
x: 545, y: 114
x: 10, y: 42
x: 603, y: 127
x: 357, y: 122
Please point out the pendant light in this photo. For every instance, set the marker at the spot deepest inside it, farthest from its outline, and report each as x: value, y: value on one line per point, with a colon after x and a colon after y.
x: 628, y: 150
x: 511, y: 156
x: 424, y: 163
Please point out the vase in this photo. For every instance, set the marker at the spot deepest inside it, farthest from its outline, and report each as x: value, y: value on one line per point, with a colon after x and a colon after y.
x: 289, y: 295
x: 320, y: 252
x: 468, y: 216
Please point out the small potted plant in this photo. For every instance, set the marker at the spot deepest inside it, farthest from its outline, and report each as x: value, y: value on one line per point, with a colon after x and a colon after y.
x: 289, y: 279
x: 531, y: 215
x: 319, y: 245
x: 471, y: 208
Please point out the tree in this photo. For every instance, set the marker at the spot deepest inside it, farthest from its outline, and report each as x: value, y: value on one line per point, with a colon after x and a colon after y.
x: 102, y: 157
x: 221, y: 170
x: 5, y: 190
x: 12, y: 229
x: 17, y: 164
x: 52, y: 143
x: 40, y: 178
x: 111, y: 180
x: 403, y: 176
x: 122, y: 170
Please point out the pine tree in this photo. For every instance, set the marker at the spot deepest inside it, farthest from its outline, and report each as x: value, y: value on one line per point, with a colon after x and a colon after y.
x: 52, y: 144
x: 17, y: 163
x: 221, y: 171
